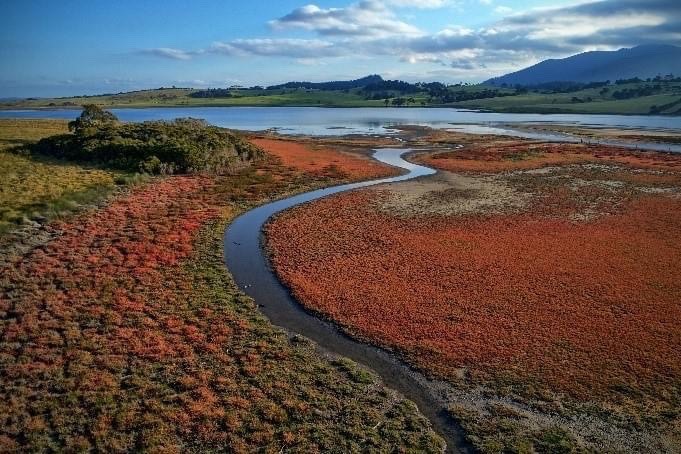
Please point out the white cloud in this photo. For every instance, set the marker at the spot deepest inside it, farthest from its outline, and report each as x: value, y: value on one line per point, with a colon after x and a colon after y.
x: 289, y: 47
x: 420, y: 4
x: 366, y: 18
x: 369, y: 29
x: 167, y: 52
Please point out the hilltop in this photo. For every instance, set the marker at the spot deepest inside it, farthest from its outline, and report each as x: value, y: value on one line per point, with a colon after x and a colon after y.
x: 657, y: 95
x: 644, y: 62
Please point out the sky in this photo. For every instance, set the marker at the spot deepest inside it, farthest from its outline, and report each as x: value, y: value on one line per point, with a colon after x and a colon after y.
x: 73, y: 47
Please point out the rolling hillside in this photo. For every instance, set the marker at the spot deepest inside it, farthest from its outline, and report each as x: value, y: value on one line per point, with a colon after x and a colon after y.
x: 642, y: 61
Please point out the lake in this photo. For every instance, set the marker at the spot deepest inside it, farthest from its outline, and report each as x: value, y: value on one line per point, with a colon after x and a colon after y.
x: 320, y: 121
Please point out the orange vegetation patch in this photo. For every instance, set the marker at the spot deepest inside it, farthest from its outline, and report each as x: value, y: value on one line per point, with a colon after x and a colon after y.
x: 324, y: 161
x: 587, y: 309
x: 124, y: 332
x: 518, y: 155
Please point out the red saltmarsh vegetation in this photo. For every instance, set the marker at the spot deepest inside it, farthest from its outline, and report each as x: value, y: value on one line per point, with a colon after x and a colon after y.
x: 500, y: 156
x: 587, y: 309
x: 324, y: 161
x: 126, y: 333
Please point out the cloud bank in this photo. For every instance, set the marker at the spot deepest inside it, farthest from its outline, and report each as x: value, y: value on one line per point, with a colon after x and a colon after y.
x: 371, y: 28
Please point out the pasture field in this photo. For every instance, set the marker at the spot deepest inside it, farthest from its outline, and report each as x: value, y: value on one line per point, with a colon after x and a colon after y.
x: 665, y: 100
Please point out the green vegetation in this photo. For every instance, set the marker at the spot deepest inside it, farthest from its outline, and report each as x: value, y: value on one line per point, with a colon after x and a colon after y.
x: 47, y: 172
x: 155, y: 147
x: 125, y: 332
x: 501, y: 428
x: 34, y: 188
x: 631, y: 96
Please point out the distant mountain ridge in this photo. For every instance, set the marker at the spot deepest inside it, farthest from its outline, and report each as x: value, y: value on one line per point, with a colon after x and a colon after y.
x: 640, y: 61
x: 333, y: 85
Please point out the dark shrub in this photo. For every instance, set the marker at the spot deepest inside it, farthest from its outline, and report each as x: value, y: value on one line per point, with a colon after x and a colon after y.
x: 92, y: 116
x: 184, y: 145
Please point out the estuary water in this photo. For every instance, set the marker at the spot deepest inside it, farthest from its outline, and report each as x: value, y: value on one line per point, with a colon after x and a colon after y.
x: 320, y: 121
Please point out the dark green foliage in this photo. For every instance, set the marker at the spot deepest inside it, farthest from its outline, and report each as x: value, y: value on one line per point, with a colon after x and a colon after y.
x: 212, y: 93
x: 181, y: 146
x: 392, y: 85
x: 637, y: 92
x: 335, y: 85
x: 92, y: 116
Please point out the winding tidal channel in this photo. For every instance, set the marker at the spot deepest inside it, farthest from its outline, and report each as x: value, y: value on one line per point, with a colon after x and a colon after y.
x: 248, y: 263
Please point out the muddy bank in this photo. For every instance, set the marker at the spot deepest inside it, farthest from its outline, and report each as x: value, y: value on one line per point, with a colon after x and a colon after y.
x: 248, y: 264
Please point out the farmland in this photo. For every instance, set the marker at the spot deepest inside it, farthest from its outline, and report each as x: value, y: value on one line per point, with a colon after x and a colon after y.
x: 626, y: 97
x: 121, y: 329
x: 539, y: 280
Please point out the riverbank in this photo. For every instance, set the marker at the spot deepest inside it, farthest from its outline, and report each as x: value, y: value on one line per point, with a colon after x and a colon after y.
x: 120, y: 329
x: 539, y: 280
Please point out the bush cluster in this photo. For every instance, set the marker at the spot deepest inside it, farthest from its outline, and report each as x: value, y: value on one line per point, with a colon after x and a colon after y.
x: 185, y: 145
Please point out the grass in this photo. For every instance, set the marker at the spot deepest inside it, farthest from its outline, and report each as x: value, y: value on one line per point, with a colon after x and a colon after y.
x: 534, y: 101
x: 35, y: 188
x: 563, y: 103
x: 500, y: 430
x: 180, y: 98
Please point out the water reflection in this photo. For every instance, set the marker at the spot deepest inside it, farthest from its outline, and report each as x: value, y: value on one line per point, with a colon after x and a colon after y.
x: 321, y: 121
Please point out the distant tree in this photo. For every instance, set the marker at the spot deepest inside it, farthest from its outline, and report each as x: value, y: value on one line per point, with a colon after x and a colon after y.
x: 387, y: 101
x: 92, y: 116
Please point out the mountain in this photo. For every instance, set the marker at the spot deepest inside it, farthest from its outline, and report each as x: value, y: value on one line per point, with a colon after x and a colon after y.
x: 641, y: 61
x: 336, y: 85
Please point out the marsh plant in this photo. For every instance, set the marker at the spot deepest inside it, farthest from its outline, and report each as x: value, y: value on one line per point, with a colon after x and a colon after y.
x: 184, y: 145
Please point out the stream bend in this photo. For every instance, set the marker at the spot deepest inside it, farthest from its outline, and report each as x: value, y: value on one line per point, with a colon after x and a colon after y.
x: 249, y: 265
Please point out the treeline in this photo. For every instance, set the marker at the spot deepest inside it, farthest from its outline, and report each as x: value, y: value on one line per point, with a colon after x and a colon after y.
x: 384, y: 86
x: 561, y: 86
x: 212, y: 93
x: 569, y: 87
x: 436, y: 92
x: 448, y: 96
x: 185, y: 145
x: 334, y: 85
x: 659, y: 78
x: 637, y: 92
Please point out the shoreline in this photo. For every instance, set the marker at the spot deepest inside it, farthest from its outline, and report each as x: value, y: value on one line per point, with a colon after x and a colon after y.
x: 441, y: 106
x: 249, y: 263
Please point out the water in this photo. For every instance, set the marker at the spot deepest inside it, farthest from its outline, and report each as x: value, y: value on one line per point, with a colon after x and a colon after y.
x: 320, y: 121
x: 338, y: 121
x: 249, y: 266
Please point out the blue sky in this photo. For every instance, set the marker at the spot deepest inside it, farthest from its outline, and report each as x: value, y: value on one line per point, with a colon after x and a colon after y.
x: 70, y: 47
